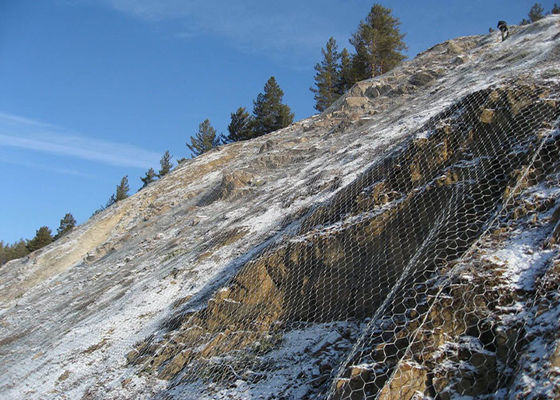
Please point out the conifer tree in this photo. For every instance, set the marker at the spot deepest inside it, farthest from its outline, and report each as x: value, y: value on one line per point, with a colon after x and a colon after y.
x: 122, y: 189
x: 204, y: 140
x: 524, y: 21
x: 43, y: 237
x: 4, y: 253
x: 268, y: 111
x: 240, y: 127
x: 345, y: 75
x: 378, y: 43
x: 327, y: 78
x: 165, y: 164
x: 555, y: 9
x: 19, y: 249
x: 148, y: 178
x: 67, y: 223
x: 536, y: 12
x: 112, y: 200
x: 11, y: 252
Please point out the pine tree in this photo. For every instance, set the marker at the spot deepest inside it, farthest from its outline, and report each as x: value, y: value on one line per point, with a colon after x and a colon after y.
x: 11, y: 252
x: 268, y: 111
x: 536, y: 12
x: 204, y: 140
x: 112, y: 200
x: 327, y: 77
x: 555, y: 9
x: 122, y: 189
x: 240, y: 127
x: 19, y: 249
x: 148, y: 178
x: 4, y: 253
x: 67, y: 223
x: 345, y: 76
x: 378, y: 43
x: 524, y: 21
x: 43, y: 237
x: 165, y: 164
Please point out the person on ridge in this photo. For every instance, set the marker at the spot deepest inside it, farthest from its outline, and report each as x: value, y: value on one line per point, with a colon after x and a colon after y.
x: 502, y: 26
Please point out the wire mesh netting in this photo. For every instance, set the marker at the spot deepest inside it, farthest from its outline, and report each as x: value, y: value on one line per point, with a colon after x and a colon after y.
x: 431, y: 275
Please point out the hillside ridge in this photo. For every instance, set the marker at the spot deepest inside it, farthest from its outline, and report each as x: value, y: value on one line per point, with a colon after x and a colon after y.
x: 402, y: 243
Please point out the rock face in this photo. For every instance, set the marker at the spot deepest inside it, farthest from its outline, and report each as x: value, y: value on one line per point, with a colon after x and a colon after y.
x: 401, y: 245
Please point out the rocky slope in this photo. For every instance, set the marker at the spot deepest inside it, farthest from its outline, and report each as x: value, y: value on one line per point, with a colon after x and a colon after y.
x: 403, y: 244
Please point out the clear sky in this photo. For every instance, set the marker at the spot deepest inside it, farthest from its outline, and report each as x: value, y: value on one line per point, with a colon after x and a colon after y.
x: 92, y: 90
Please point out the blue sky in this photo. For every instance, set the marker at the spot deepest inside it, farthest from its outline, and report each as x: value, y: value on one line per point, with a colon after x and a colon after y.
x: 92, y: 90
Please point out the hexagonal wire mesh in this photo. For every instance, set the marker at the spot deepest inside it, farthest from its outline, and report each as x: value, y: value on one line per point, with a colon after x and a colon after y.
x: 386, y: 290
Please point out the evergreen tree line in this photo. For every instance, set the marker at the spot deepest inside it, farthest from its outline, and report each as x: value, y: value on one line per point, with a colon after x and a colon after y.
x: 269, y: 114
x: 378, y: 46
x: 537, y: 12
x: 377, y: 43
x: 123, y: 188
x: 43, y: 236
